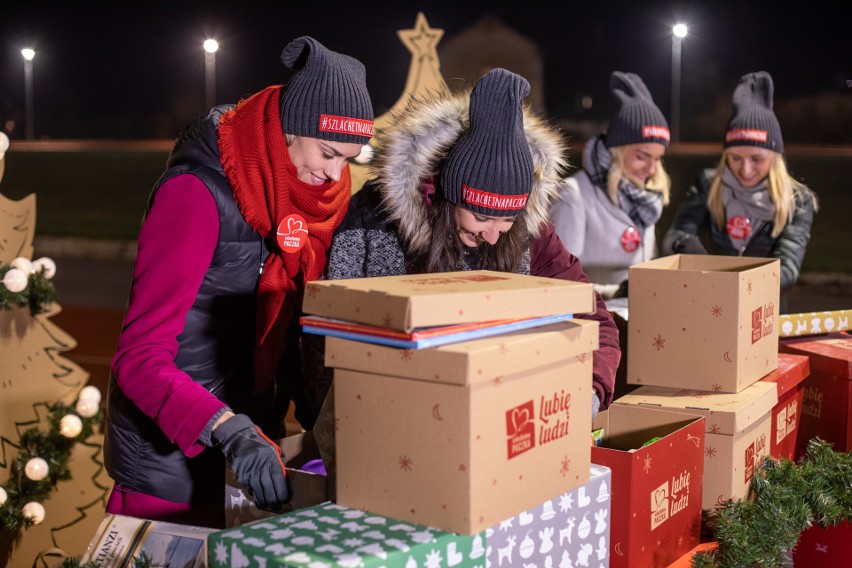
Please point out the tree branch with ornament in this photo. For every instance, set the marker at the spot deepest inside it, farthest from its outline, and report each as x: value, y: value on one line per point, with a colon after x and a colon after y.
x: 43, y: 456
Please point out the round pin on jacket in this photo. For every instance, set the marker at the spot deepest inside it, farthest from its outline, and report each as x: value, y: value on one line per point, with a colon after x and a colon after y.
x: 630, y: 239
x: 292, y: 233
x: 738, y: 227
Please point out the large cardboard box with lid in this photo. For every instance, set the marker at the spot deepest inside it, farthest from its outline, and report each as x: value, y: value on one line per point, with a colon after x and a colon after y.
x: 703, y: 322
x: 738, y: 429
x: 827, y: 404
x: 407, y: 302
x: 656, y: 488
x: 463, y: 436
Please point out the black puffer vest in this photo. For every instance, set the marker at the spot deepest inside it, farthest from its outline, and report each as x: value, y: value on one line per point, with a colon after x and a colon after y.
x: 215, y: 349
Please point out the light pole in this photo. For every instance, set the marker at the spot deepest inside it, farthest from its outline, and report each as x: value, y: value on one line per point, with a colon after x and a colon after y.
x: 28, y: 54
x: 678, y: 33
x: 210, y: 48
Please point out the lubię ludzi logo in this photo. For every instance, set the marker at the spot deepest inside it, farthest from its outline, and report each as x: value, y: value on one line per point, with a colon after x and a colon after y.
x: 524, y: 432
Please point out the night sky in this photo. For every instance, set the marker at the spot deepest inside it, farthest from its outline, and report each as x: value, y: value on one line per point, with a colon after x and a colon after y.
x: 138, y: 72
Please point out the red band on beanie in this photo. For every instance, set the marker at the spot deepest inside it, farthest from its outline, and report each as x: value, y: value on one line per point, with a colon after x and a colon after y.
x: 357, y: 126
x: 652, y: 131
x: 747, y: 134
x: 496, y: 201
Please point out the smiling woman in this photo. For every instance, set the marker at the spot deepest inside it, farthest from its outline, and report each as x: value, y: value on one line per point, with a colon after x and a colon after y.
x: 195, y: 380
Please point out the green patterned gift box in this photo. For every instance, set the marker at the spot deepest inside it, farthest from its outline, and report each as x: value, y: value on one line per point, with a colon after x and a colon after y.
x: 329, y: 535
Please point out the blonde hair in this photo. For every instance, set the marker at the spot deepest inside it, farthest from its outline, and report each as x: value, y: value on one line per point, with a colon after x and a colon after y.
x: 660, y: 182
x: 783, y: 191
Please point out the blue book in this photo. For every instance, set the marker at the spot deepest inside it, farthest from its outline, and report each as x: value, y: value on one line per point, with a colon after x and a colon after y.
x: 422, y: 338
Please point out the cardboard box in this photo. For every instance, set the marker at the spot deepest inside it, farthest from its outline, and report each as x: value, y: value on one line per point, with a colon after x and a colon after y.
x: 787, y: 413
x: 462, y: 436
x: 307, y: 488
x: 408, y: 302
x: 738, y: 430
x: 572, y: 529
x: 704, y: 322
x: 333, y: 535
x: 827, y: 405
x: 656, y: 489
x: 819, y: 547
x: 121, y: 540
x: 813, y: 323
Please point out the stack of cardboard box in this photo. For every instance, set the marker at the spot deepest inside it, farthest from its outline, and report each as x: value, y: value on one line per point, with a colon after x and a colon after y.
x: 460, y: 436
x: 702, y: 332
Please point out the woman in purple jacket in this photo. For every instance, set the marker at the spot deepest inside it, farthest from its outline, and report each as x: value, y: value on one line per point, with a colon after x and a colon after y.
x: 465, y: 183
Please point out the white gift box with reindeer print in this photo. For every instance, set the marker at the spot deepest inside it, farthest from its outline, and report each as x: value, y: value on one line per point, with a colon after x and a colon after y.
x: 572, y: 529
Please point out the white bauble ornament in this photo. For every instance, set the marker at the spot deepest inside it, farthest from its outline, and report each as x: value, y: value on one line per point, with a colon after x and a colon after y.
x: 36, y: 469
x: 15, y: 280
x: 3, y: 496
x: 366, y: 154
x: 23, y: 264
x: 90, y: 392
x: 70, y: 426
x: 34, y: 512
x: 86, y: 407
x: 47, y: 264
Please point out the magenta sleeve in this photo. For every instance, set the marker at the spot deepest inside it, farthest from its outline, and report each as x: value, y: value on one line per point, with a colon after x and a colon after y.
x: 175, y: 248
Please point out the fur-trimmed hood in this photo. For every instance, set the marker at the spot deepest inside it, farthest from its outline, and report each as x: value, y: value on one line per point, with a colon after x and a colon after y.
x: 411, y: 151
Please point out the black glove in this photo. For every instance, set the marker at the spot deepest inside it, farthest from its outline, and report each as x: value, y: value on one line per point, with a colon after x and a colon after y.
x: 255, y: 460
x: 688, y: 244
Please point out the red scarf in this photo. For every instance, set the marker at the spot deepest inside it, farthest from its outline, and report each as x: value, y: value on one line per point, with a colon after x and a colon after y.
x: 257, y: 164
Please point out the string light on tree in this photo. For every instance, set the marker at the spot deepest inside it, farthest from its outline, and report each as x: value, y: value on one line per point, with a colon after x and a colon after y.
x: 23, y: 264
x: 15, y: 280
x: 36, y: 469
x: 3, y: 496
x: 90, y: 392
x: 34, y: 512
x: 70, y: 426
x: 45, y: 264
x: 86, y: 407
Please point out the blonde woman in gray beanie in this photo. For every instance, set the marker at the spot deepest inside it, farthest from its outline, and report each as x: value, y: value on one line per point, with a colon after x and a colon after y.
x: 607, y: 211
x: 749, y: 205
x: 464, y: 182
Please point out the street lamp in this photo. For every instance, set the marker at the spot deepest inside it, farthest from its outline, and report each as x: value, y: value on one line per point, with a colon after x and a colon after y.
x: 28, y: 54
x: 678, y: 33
x: 210, y: 48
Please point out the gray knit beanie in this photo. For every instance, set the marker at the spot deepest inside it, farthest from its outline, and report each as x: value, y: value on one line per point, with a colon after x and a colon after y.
x: 753, y: 122
x: 327, y: 98
x: 489, y: 170
x: 638, y: 119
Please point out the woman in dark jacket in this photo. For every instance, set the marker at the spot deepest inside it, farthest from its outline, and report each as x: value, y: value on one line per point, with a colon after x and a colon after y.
x: 465, y: 182
x: 749, y: 205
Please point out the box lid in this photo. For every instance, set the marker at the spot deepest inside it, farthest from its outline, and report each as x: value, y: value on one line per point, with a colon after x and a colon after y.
x: 726, y: 413
x: 470, y: 361
x: 724, y: 265
x: 830, y: 353
x: 406, y: 302
x: 791, y: 371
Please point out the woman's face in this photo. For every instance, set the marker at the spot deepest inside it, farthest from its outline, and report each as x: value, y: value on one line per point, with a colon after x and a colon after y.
x: 749, y: 164
x: 641, y: 161
x: 474, y: 229
x: 320, y: 161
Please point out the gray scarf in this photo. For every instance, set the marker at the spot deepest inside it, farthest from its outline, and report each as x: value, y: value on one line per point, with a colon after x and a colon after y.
x: 643, y: 206
x: 753, y: 203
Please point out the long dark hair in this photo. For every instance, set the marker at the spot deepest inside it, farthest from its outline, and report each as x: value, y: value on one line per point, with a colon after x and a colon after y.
x: 446, y: 253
